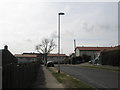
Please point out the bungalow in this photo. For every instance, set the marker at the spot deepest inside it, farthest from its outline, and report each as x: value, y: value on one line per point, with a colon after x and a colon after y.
x: 6, y: 57
x: 7, y: 61
x: 26, y: 58
x: 55, y: 57
x: 93, y: 52
x: 114, y: 48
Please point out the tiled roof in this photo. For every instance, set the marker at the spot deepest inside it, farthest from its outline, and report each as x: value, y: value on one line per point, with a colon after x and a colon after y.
x: 94, y: 48
x: 117, y: 47
x: 56, y: 55
x: 25, y: 55
x: 114, y: 48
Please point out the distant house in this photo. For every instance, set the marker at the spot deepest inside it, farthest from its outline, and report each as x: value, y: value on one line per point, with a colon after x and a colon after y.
x: 26, y: 58
x: 114, y: 48
x: 90, y: 51
x: 55, y: 58
x: 6, y: 57
x: 72, y: 55
x: 29, y: 57
x: 7, y: 62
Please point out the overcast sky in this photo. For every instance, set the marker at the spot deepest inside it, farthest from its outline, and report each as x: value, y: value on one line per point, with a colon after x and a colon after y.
x: 23, y: 24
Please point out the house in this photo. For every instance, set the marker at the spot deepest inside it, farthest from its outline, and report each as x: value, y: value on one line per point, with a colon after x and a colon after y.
x: 23, y: 58
x: 29, y: 57
x: 93, y: 52
x: 71, y: 56
x: 6, y: 57
x: 55, y: 57
x: 7, y: 62
x: 114, y: 48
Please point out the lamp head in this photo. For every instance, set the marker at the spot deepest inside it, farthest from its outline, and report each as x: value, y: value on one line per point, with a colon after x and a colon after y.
x: 61, y: 13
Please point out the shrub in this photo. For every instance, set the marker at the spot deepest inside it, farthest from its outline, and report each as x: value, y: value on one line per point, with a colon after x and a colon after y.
x: 86, y: 58
x: 110, y: 57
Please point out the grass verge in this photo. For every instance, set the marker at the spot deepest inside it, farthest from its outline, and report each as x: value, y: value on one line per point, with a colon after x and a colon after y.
x: 104, y: 68
x: 68, y: 81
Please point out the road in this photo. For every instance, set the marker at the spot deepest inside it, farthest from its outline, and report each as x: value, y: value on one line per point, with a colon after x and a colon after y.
x: 95, y: 77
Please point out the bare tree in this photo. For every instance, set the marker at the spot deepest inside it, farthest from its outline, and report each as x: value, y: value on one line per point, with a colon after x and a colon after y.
x: 46, y: 46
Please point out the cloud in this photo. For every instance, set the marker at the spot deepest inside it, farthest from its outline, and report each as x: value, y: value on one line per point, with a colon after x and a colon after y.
x: 67, y: 9
x: 104, y: 26
x: 54, y: 35
x: 87, y: 27
x: 27, y: 24
x: 28, y: 40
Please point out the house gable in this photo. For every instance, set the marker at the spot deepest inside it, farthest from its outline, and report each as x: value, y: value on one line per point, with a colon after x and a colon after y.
x: 90, y: 51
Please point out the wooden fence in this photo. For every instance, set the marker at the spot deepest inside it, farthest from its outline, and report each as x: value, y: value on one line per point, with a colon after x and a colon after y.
x: 17, y: 75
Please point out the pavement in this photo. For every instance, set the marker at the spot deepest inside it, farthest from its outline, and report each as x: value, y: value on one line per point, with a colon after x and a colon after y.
x: 45, y: 79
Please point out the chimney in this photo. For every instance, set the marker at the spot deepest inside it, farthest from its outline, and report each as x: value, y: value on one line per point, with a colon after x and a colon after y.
x: 6, y: 47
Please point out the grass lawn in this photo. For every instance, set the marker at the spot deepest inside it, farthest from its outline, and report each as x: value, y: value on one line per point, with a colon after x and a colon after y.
x: 68, y: 81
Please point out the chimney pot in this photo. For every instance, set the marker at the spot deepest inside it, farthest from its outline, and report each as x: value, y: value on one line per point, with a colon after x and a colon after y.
x: 6, y: 47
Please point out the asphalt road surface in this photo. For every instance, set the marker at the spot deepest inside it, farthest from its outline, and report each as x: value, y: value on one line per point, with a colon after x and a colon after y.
x: 95, y: 77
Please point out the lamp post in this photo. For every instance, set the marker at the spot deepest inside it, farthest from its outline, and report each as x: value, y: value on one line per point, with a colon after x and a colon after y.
x: 59, y: 40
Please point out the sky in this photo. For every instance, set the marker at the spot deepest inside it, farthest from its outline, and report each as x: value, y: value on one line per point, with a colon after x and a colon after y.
x: 25, y: 23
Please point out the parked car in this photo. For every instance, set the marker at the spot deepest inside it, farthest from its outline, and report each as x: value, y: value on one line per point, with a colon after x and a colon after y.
x: 90, y: 61
x: 50, y: 64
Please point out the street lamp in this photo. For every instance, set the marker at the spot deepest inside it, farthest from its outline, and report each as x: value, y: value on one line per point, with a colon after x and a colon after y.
x: 59, y: 40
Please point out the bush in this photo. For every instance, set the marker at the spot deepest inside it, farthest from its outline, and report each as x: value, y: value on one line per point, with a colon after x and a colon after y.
x: 77, y: 60
x: 86, y: 58
x: 110, y: 58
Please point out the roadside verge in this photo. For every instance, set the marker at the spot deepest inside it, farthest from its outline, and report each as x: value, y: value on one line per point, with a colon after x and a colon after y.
x: 68, y: 81
x: 103, y: 67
